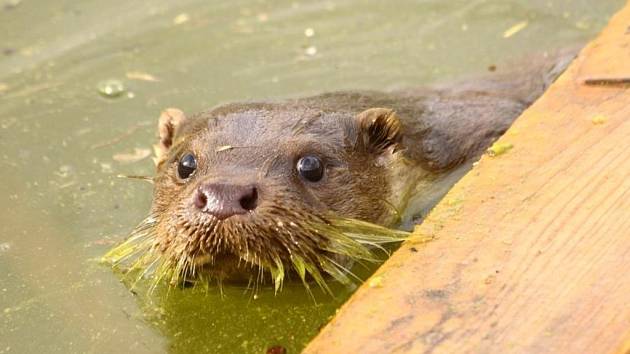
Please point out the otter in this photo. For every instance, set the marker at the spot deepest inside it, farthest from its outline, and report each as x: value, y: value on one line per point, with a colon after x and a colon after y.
x: 305, y: 186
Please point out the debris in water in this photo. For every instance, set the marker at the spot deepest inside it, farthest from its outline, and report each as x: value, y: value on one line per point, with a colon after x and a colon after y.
x: 106, y: 167
x: 8, y: 123
x: 515, y: 29
x: 4, y: 247
x: 583, y: 25
x: 599, y: 119
x: 111, y: 88
x: 499, y: 149
x: 262, y: 17
x: 137, y: 155
x: 311, y: 51
x: 181, y: 18
x: 138, y: 75
x: 277, y: 349
x: 64, y: 171
x: 142, y: 178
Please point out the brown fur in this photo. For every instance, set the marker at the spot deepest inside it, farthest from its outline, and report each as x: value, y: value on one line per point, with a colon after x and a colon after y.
x: 376, y: 148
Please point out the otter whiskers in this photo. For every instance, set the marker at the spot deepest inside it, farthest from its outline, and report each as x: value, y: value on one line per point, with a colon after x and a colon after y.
x: 349, y: 241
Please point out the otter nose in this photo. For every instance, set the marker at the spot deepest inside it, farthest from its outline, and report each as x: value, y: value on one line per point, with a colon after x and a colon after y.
x: 223, y: 200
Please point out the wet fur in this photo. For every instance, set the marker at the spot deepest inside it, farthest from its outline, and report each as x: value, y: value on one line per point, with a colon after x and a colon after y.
x: 388, y: 156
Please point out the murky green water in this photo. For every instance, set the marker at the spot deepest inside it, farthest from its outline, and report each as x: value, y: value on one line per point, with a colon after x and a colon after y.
x: 62, y: 143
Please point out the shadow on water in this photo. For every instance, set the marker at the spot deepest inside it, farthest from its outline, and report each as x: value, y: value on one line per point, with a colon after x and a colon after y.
x: 62, y: 143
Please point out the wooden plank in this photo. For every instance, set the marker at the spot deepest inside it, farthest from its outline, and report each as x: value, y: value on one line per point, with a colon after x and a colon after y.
x: 531, y: 249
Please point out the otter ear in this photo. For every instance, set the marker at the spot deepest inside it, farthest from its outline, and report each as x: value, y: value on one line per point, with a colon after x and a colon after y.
x: 379, y: 128
x: 170, y: 120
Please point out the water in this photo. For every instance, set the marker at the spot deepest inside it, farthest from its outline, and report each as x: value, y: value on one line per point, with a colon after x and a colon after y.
x: 62, y: 142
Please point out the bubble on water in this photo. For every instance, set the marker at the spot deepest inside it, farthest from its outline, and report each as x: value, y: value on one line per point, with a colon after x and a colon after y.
x: 111, y: 88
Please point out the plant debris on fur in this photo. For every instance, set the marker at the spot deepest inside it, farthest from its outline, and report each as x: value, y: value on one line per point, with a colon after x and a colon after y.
x: 349, y: 241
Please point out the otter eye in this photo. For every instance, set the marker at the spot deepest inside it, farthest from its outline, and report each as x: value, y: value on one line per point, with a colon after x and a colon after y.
x: 187, y: 165
x: 311, y: 168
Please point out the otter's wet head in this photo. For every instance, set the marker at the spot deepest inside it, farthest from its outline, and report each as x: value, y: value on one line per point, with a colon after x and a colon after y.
x: 258, y: 192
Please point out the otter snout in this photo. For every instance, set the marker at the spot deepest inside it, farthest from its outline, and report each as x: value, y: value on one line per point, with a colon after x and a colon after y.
x: 223, y: 200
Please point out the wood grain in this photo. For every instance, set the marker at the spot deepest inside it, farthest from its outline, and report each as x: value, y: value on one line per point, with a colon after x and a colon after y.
x: 531, y: 249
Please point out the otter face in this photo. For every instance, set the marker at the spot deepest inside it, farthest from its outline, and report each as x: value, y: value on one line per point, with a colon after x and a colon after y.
x: 248, y: 190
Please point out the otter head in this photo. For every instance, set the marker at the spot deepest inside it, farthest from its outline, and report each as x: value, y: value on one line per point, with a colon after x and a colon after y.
x: 255, y: 189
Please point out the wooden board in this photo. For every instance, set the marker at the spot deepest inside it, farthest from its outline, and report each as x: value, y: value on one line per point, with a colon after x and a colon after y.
x: 531, y: 249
